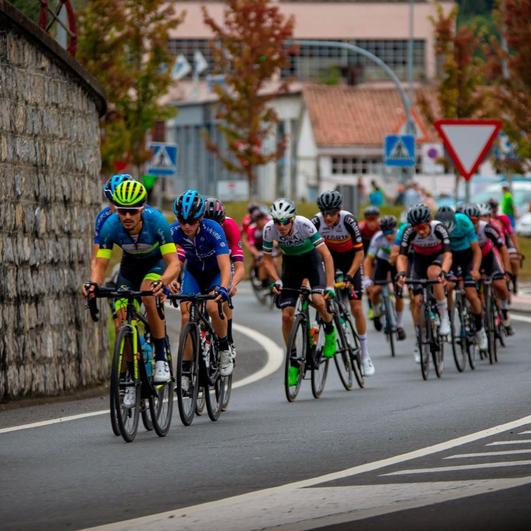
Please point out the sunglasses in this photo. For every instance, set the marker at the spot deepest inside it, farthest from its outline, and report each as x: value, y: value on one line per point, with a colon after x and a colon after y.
x: 330, y: 212
x: 130, y: 211
x: 190, y: 222
x: 283, y: 221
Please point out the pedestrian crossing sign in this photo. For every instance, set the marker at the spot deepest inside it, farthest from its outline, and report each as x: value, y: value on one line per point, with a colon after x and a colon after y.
x: 163, y: 160
x: 399, y: 150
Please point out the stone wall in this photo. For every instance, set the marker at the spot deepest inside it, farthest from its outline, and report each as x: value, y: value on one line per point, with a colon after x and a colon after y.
x: 50, y: 194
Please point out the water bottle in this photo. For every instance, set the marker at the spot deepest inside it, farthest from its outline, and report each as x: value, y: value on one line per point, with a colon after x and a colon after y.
x: 147, y: 354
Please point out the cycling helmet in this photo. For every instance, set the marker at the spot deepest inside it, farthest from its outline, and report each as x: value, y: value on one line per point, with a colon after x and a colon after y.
x: 418, y: 214
x: 330, y: 200
x: 129, y: 194
x: 283, y: 209
x: 259, y: 213
x: 471, y: 210
x: 251, y: 207
x: 189, y: 206
x: 388, y: 223
x: 215, y: 209
x: 493, y: 204
x: 484, y: 209
x: 371, y: 211
x: 460, y: 208
x: 110, y: 186
x: 446, y: 215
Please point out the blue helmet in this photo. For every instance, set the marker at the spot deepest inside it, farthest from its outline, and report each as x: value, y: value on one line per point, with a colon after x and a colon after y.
x: 110, y: 186
x: 189, y: 206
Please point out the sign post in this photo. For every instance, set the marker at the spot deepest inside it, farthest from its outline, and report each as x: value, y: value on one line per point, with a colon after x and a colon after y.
x: 468, y: 141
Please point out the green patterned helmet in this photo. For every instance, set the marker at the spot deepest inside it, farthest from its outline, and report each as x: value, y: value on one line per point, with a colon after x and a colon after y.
x: 129, y: 194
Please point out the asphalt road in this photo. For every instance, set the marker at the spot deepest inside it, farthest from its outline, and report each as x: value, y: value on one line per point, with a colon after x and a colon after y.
x: 375, y: 458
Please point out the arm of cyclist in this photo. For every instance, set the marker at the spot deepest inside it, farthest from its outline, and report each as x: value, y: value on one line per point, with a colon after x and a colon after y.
x: 225, y: 270
x: 476, y: 260
x: 368, y: 270
x: 237, y: 277
x: 97, y: 274
x: 172, y: 271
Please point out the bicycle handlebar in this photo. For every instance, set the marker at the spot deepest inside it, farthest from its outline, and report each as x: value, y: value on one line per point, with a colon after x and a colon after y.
x: 421, y: 281
x: 205, y: 297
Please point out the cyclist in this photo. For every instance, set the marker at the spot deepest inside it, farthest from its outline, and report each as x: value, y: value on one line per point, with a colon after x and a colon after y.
x: 246, y: 222
x: 304, y: 252
x: 503, y: 223
x: 369, y: 226
x: 431, y: 258
x: 215, y: 210
x: 255, y: 239
x: 495, y: 257
x: 149, y: 261
x: 204, y: 247
x: 466, y: 255
x: 378, y: 266
x: 341, y: 235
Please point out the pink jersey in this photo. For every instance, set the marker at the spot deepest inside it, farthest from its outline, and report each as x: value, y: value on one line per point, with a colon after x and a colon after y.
x: 232, y: 232
x: 246, y: 221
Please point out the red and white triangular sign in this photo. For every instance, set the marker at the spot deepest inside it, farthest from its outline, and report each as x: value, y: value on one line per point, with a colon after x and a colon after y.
x: 421, y: 132
x: 468, y: 141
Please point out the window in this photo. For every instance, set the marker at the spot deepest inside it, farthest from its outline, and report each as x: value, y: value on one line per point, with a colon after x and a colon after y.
x: 357, y: 165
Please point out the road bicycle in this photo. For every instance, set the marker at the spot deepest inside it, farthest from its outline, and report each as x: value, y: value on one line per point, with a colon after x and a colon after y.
x: 129, y: 369
x: 348, y: 354
x: 387, y: 304
x: 202, y: 370
x: 493, y: 319
x: 305, y: 347
x: 261, y: 290
x: 430, y: 343
x: 462, y: 325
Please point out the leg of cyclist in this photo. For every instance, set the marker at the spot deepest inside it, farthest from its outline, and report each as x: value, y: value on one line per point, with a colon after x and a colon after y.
x: 434, y: 273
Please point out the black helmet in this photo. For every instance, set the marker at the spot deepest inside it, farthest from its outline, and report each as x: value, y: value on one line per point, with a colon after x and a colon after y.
x: 371, y: 211
x: 215, y: 209
x: 388, y: 223
x: 418, y: 214
x: 330, y: 200
x: 446, y: 215
x: 493, y: 204
x: 460, y: 208
x: 472, y: 210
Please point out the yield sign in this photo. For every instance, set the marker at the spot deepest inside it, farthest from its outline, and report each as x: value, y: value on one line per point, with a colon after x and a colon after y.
x: 468, y: 141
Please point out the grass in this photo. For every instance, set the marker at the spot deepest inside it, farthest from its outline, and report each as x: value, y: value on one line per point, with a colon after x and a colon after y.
x: 525, y: 249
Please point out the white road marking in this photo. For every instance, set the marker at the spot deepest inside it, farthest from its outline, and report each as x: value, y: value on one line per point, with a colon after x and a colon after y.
x: 274, y: 359
x: 456, y: 468
x: 522, y: 318
x: 515, y: 441
x: 488, y: 454
x: 526, y: 432
x: 253, y: 510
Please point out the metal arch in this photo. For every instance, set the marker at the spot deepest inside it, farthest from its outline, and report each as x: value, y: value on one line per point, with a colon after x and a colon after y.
x: 406, y: 102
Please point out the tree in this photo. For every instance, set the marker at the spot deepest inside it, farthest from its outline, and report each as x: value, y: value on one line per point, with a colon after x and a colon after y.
x: 510, y: 72
x: 124, y: 45
x: 249, y: 51
x: 460, y: 91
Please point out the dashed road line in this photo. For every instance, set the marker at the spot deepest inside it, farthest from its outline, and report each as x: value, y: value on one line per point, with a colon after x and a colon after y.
x: 488, y: 454
x: 456, y: 468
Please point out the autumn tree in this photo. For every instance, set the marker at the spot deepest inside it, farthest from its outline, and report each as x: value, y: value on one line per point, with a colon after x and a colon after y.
x: 510, y: 72
x: 124, y: 45
x: 460, y: 71
x: 249, y: 50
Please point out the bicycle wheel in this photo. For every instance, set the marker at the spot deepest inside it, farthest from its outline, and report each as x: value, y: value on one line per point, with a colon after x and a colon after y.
x: 423, y: 343
x: 161, y: 405
x: 260, y: 293
x: 437, y: 352
x: 123, y: 379
x: 354, y: 348
x: 295, y: 357
x: 214, y: 388
x: 187, y: 394
x: 200, y: 403
x: 319, y: 366
x: 500, y: 329
x: 227, y: 384
x: 145, y: 414
x: 389, y: 326
x: 458, y: 334
x: 490, y: 327
x: 112, y: 407
x: 342, y: 357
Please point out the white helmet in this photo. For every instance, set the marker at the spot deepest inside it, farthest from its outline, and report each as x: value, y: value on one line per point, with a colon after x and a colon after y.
x: 484, y: 209
x: 283, y: 209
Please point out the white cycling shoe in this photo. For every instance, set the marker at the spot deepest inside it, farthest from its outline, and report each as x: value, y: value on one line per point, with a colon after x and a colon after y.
x: 162, y: 372
x: 481, y: 337
x: 367, y: 367
x: 226, y: 363
x: 444, y: 329
x: 130, y: 397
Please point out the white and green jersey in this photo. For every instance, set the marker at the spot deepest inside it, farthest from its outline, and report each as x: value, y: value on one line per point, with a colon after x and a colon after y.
x: 302, y: 239
x: 380, y: 247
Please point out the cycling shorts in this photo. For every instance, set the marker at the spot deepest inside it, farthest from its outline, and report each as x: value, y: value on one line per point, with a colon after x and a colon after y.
x: 134, y: 271
x: 200, y: 282
x: 420, y: 265
x: 343, y: 262
x: 492, y: 266
x: 463, y: 260
x: 297, y: 268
